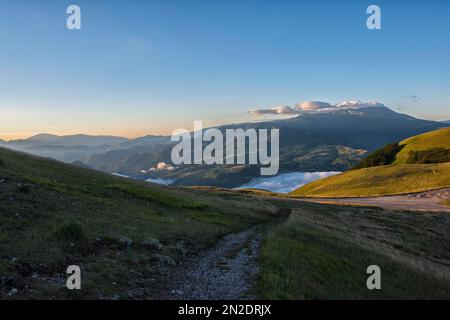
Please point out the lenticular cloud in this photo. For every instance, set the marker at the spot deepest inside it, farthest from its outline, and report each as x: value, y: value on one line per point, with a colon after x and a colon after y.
x: 315, y: 106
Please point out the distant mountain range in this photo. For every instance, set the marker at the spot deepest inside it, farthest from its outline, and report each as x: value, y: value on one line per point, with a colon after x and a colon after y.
x: 322, y: 141
x: 65, y: 148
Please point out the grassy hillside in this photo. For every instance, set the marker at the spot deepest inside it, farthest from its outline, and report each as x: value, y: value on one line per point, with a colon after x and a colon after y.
x: 123, y: 234
x: 379, y: 181
x: 416, y: 166
x: 322, y: 252
x: 129, y: 238
x: 430, y: 140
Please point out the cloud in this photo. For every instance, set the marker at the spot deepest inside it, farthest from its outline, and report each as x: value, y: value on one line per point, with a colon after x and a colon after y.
x: 286, y: 182
x: 158, y: 167
x: 165, y: 182
x: 315, y: 106
x: 355, y: 104
x: 275, y: 110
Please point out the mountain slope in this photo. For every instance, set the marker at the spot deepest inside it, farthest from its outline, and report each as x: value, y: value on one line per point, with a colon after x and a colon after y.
x: 380, y: 181
x: 133, y: 159
x: 65, y: 148
x: 67, y: 141
x: 426, y: 141
x: 398, y: 178
x: 330, y: 141
x: 119, y: 231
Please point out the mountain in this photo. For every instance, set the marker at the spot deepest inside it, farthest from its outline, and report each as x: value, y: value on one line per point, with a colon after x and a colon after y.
x: 43, y: 137
x: 80, y: 147
x: 65, y: 148
x: 422, y: 163
x: 68, y: 141
x: 144, y: 141
x: 131, y: 160
x: 446, y: 121
x: 322, y: 141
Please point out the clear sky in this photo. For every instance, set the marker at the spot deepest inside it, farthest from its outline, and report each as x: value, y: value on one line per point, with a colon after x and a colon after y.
x: 147, y: 67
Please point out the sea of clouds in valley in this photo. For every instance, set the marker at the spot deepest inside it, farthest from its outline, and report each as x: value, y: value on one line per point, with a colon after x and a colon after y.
x: 286, y: 182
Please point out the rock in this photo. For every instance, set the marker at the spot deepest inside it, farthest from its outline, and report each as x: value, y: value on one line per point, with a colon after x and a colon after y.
x: 164, y: 260
x: 126, y: 241
x: 177, y: 292
x: 12, y: 292
x: 177, y: 249
x: 152, y: 243
x: 180, y: 247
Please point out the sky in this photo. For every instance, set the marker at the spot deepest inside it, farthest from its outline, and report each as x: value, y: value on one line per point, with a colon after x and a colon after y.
x: 148, y: 67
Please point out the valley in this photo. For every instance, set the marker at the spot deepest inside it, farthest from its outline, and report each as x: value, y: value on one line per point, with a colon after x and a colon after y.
x: 135, y: 241
x: 309, y: 142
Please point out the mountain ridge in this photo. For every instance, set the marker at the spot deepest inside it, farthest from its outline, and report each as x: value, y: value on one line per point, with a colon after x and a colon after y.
x: 330, y: 141
x: 311, y: 141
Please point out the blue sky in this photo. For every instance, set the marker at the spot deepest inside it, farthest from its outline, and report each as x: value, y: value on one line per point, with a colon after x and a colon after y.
x: 140, y: 67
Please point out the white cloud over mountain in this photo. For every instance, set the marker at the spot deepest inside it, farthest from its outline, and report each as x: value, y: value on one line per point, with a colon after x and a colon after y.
x: 354, y: 104
x: 286, y: 182
x: 275, y: 110
x: 312, y: 105
x: 315, y: 106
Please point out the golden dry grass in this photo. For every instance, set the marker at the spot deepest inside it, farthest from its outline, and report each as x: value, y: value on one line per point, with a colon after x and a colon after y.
x: 380, y: 181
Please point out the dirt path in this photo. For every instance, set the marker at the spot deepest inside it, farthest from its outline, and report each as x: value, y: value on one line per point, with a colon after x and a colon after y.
x: 428, y: 201
x: 225, y: 271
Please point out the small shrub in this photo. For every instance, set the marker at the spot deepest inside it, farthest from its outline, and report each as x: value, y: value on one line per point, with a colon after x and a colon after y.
x: 71, y: 233
x: 435, y: 155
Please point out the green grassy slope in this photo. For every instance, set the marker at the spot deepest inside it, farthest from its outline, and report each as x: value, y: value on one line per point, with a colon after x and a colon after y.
x: 380, y: 181
x: 322, y: 252
x: 53, y: 215
x: 434, y: 139
x: 389, y: 179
